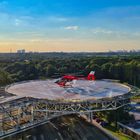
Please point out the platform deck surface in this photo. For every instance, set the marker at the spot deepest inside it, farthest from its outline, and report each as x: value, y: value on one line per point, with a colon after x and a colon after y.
x: 80, y: 90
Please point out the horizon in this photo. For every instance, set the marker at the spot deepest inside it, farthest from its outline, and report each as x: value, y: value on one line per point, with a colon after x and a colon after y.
x: 69, y: 26
x: 109, y: 51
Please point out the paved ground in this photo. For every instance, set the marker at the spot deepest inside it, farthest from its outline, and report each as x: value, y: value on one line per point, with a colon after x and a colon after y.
x: 63, y: 128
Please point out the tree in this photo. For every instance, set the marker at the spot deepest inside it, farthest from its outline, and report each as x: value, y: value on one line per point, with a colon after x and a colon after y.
x: 105, y: 70
x: 138, y: 75
x: 4, y: 78
x: 50, y: 70
x: 116, y: 71
x: 131, y: 72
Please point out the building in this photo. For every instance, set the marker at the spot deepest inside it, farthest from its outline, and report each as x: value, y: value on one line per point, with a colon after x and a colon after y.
x: 21, y: 51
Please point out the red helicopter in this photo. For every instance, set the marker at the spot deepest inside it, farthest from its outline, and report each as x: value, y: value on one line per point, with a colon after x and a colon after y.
x: 69, y: 80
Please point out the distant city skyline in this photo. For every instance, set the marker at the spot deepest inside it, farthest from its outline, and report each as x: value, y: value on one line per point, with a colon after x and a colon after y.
x: 69, y: 26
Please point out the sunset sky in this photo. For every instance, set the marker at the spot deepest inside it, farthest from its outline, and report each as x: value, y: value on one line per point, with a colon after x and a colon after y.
x: 69, y: 25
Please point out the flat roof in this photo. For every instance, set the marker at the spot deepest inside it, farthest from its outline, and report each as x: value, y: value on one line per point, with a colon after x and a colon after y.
x: 132, y: 126
x: 80, y: 90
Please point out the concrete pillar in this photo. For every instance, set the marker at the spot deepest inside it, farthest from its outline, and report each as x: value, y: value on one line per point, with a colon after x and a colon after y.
x: 18, y: 119
x: 1, y: 124
x: 32, y: 114
x: 90, y: 117
x: 47, y: 114
x: 137, y: 137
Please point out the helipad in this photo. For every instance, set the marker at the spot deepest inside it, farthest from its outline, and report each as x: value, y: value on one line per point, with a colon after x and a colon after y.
x: 80, y: 90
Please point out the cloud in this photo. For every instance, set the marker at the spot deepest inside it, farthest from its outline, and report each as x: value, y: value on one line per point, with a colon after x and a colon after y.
x: 57, y: 19
x: 20, y: 21
x: 17, y: 22
x: 113, y: 34
x: 74, y: 28
x: 101, y: 30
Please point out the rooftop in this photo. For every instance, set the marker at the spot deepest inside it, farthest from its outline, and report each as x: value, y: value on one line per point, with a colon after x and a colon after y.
x: 80, y: 90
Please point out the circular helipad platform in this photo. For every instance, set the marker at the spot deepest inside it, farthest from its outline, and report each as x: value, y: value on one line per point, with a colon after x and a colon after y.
x: 80, y: 90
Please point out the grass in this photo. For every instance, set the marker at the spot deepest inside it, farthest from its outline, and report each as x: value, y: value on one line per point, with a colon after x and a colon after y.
x: 118, y: 134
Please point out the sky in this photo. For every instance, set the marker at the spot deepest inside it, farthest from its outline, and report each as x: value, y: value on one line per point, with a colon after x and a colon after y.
x: 69, y: 25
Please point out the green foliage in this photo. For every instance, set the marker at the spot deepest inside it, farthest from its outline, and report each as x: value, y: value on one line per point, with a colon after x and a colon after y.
x: 22, y: 71
x: 50, y: 70
x: 125, y: 69
x: 117, y: 134
x: 4, y: 78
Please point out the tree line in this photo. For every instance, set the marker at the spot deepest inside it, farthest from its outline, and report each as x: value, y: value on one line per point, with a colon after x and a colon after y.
x: 125, y: 69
